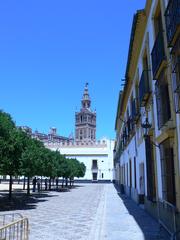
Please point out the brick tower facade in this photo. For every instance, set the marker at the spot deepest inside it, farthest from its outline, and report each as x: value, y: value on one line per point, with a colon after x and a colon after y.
x: 85, y: 120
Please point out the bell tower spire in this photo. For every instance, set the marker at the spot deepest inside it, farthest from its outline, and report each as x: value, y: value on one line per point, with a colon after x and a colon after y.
x: 86, y: 101
x: 85, y: 120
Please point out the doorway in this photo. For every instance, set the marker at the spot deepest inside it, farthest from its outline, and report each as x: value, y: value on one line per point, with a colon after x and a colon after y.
x: 94, y: 176
x: 141, y: 183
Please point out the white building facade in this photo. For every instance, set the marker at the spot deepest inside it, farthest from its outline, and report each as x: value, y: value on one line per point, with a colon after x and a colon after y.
x: 147, y: 156
x: 97, y: 157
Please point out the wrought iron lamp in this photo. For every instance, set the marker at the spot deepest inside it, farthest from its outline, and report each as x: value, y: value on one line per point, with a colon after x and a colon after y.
x: 146, y: 127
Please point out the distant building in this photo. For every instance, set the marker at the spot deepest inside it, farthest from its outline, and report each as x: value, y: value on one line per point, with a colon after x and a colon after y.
x: 52, y: 136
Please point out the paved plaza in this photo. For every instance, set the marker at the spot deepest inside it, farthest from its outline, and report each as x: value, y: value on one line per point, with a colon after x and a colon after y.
x: 89, y: 212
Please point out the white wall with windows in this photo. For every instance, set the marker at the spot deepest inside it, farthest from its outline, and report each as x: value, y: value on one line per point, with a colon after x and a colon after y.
x: 97, y: 157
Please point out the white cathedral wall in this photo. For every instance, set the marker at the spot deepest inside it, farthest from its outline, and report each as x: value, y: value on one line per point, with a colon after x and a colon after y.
x: 86, y: 154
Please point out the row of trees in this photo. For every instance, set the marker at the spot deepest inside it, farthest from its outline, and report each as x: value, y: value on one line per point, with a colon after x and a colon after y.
x: 20, y: 155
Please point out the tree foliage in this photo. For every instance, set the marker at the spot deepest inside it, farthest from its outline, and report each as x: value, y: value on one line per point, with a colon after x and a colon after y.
x: 20, y: 155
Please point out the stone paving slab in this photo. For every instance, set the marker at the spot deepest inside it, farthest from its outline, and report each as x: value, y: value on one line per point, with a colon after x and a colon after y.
x: 125, y: 220
x: 89, y: 212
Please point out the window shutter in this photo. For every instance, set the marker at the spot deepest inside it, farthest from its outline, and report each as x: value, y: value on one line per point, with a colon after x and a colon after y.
x: 151, y: 192
x: 163, y: 172
x: 170, y: 180
x: 158, y: 103
x: 166, y: 113
x: 167, y: 171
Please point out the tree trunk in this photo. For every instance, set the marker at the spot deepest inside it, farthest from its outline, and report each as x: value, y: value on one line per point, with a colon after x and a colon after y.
x: 66, y: 182
x: 50, y: 184
x: 62, y: 182
x: 24, y: 183
x: 28, y: 186
x: 41, y: 183
x: 10, y: 187
x: 57, y: 182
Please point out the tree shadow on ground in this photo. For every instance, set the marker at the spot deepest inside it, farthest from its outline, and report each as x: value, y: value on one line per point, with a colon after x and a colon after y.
x: 21, y: 201
x: 151, y: 229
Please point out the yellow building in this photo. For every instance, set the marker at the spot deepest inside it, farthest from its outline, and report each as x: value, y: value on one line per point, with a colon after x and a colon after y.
x: 147, y: 149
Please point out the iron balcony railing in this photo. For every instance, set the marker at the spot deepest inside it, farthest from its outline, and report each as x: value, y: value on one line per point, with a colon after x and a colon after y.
x: 144, y: 88
x: 172, y: 17
x: 135, y: 109
x: 94, y: 167
x: 130, y: 127
x: 158, y: 54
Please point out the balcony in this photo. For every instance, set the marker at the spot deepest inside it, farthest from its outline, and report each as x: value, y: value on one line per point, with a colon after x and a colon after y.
x: 163, y: 103
x: 135, y: 110
x: 176, y: 84
x: 172, y: 17
x: 158, y: 54
x: 130, y: 127
x: 94, y: 168
x: 144, y: 88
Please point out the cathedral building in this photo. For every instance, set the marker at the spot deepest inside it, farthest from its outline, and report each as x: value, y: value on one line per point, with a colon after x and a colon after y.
x: 97, y: 155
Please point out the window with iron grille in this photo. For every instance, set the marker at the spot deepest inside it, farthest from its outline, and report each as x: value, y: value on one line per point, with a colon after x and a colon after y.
x: 127, y: 176
x: 172, y: 17
x: 158, y: 51
x: 130, y: 173
x: 135, y: 173
x: 176, y: 74
x: 162, y: 100
x: 94, y: 164
x: 168, y: 172
x: 150, y: 169
x: 125, y: 136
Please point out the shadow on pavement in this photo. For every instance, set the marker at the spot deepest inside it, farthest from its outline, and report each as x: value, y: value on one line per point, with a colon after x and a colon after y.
x: 149, y: 226
x: 21, y: 201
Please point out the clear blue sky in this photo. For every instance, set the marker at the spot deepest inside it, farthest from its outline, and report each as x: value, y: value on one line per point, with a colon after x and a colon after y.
x: 49, y: 49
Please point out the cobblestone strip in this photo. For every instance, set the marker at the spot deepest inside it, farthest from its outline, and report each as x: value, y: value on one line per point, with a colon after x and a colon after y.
x: 97, y: 230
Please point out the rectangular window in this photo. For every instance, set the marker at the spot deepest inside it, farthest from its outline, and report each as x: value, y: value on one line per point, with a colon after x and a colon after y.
x: 124, y: 174
x: 127, y: 173
x: 162, y: 100
x: 130, y: 173
x: 84, y: 133
x: 158, y: 52
x: 168, y: 172
x: 150, y: 170
x: 94, y: 176
x: 176, y: 74
x: 94, y: 164
x: 135, y: 173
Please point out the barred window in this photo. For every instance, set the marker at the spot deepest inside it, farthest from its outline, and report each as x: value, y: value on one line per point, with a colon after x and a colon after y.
x: 176, y: 74
x: 150, y: 169
x: 135, y: 173
x: 168, y: 172
x: 162, y: 100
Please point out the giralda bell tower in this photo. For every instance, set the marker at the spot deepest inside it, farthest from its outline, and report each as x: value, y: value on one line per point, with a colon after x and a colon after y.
x: 85, y: 120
